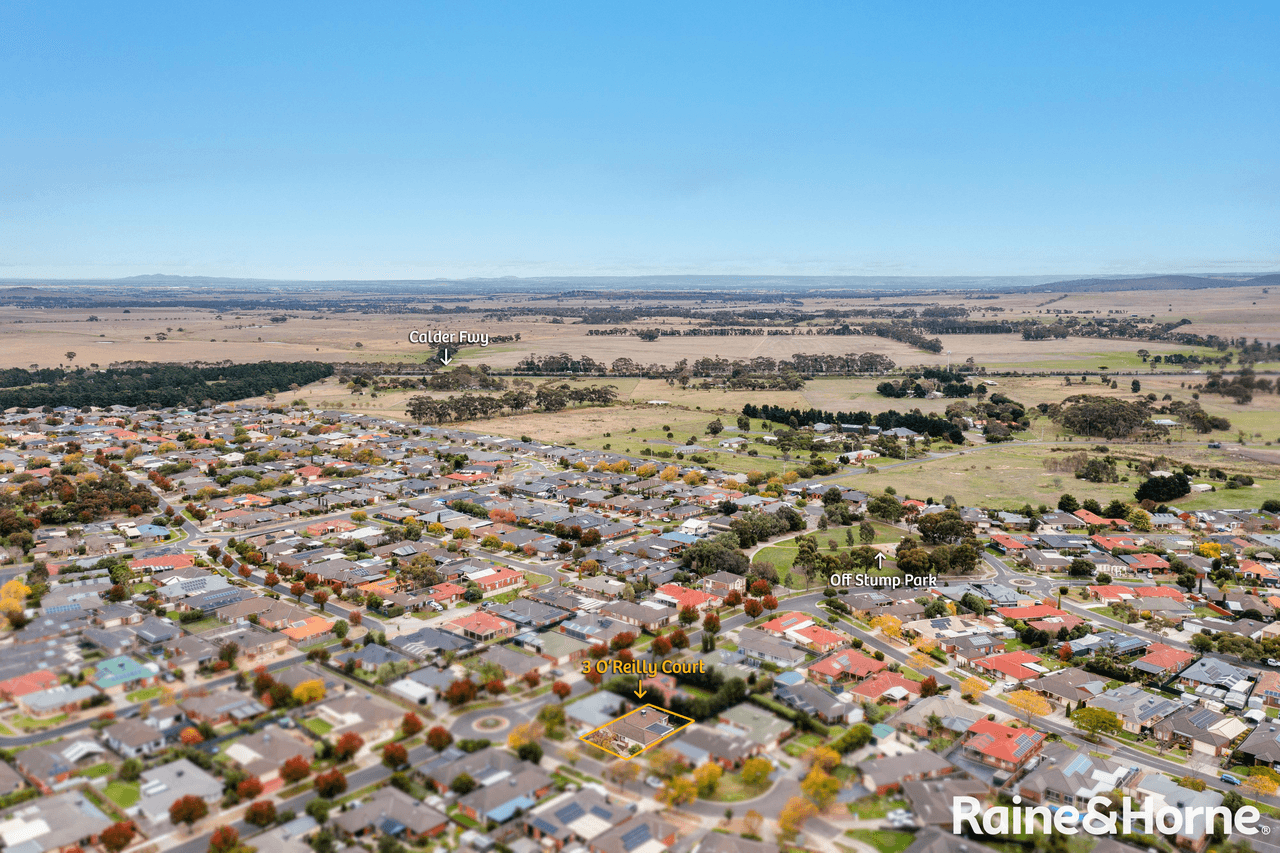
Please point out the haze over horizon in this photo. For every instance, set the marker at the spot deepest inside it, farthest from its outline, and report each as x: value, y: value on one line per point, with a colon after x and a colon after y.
x: 427, y: 141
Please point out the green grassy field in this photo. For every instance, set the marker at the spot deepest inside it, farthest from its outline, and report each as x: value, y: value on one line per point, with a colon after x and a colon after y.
x: 783, y: 555
x: 1015, y: 474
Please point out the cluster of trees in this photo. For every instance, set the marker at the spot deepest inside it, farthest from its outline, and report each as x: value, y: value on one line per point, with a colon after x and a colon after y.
x: 1239, y: 387
x: 545, y: 365
x: 930, y: 425
x: 1163, y: 489
x: 86, y: 501
x: 464, y: 377
x: 548, y: 398
x: 155, y: 385
x: 1107, y: 417
x: 755, y: 526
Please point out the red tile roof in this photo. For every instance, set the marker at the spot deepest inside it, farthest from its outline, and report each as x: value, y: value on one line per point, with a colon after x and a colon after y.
x: 481, y: 623
x: 1166, y: 657
x: 1034, y: 611
x: 1004, y: 742
x: 28, y: 682
x: 1010, y: 664
x: 848, y: 662
x: 873, y: 688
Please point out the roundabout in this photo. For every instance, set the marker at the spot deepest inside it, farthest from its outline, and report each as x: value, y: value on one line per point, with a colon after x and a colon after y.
x: 491, y: 724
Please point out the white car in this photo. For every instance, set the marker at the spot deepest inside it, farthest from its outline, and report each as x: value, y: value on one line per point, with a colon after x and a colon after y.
x: 653, y: 782
x: 1273, y: 662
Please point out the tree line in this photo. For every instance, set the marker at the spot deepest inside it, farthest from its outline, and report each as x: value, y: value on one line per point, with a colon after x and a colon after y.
x: 155, y: 385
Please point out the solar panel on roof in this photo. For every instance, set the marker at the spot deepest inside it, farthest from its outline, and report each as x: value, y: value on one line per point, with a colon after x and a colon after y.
x: 544, y: 826
x: 1200, y: 719
x: 602, y: 812
x: 1078, y: 765
x: 633, y: 839
x: 570, y: 813
x: 1022, y: 744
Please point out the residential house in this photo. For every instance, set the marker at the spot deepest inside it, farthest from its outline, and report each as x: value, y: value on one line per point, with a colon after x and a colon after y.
x: 885, y: 775
x: 955, y: 716
x: 1067, y: 777
x: 164, y: 785
x: 644, y: 833
x: 393, y: 813
x: 847, y: 665
x: 1204, y: 730
x: 372, y: 720
x: 133, y: 738
x: 759, y: 647
x: 265, y: 751
x: 1137, y: 709
x: 1000, y: 746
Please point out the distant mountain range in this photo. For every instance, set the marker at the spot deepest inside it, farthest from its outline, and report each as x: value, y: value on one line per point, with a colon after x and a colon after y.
x: 554, y: 284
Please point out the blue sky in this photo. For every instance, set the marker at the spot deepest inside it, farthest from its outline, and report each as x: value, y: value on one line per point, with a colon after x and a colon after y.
x: 379, y: 140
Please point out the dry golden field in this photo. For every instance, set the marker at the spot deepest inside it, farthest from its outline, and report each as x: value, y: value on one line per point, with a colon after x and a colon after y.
x: 44, y: 337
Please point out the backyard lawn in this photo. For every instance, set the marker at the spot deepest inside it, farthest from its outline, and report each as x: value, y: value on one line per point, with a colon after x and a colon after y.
x: 884, y: 840
x: 123, y: 794
x: 871, y: 808
x: 145, y: 694
x: 317, y: 726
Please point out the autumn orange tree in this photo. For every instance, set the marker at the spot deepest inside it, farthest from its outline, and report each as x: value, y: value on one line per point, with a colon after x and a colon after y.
x: 411, y: 724
x: 395, y: 755
x: 117, y: 836
x: 225, y: 839
x: 188, y: 810
x: 331, y: 784
x: 347, y: 746
x: 261, y: 813
x: 439, y: 738
x: 295, y: 769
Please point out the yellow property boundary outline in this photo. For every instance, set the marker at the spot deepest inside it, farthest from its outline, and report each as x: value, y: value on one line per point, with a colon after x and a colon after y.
x: 688, y: 722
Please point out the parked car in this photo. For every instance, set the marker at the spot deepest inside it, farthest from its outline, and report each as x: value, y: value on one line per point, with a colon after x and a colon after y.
x: 653, y: 782
x: 1230, y: 779
x: 1273, y: 662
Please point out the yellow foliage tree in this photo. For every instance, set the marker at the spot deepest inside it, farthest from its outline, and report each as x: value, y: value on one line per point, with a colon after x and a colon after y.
x: 679, y: 791
x: 694, y: 478
x: 1030, y: 703
x: 13, y: 596
x: 435, y: 528
x: 309, y: 691
x: 794, y: 814
x: 820, y: 787
x: 1260, y: 786
x: 919, y: 661
x: 525, y: 733
x: 753, y: 820
x: 755, y: 772
x: 707, y: 777
x: 823, y: 758
x: 890, y: 626
x: 669, y: 474
x: 646, y: 470
x: 924, y: 644
x: 973, y: 686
